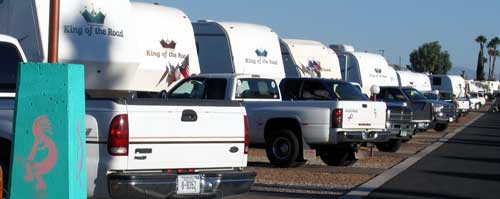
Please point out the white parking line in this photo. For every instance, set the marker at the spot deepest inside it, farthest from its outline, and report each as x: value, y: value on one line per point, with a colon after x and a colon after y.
x: 366, y: 188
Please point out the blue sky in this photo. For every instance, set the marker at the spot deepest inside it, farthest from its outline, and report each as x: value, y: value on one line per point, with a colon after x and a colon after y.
x: 396, y: 26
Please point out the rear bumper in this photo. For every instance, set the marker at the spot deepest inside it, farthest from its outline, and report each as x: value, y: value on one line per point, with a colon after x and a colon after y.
x: 163, y: 185
x: 401, y: 130
x: 362, y: 136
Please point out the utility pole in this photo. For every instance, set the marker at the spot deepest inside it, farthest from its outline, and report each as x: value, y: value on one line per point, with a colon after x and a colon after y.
x: 53, y: 55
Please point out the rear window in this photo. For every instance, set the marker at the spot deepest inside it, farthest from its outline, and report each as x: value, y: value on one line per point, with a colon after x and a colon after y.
x: 257, y: 89
x: 414, y: 94
x: 347, y: 91
x: 9, y: 62
x: 200, y: 88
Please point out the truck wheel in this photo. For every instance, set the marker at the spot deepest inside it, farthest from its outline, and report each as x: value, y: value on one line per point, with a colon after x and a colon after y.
x: 441, y: 127
x: 338, y: 157
x: 392, y: 145
x: 3, y: 180
x: 283, y: 149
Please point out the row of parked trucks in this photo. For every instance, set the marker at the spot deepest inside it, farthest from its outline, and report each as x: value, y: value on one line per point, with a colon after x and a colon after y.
x: 173, y: 105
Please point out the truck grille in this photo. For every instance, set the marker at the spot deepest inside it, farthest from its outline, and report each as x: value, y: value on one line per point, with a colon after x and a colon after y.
x: 400, y: 115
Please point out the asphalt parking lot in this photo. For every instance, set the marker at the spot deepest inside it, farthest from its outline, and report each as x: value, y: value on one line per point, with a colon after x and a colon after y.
x: 428, y: 176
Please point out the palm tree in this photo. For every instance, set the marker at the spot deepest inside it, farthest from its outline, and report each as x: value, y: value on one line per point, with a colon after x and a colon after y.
x: 480, y: 58
x: 493, y: 52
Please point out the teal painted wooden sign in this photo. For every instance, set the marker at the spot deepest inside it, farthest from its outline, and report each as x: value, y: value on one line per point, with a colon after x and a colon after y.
x: 49, y: 139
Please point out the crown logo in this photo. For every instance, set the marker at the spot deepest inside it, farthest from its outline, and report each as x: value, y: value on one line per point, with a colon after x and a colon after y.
x: 378, y: 70
x: 168, y: 44
x: 93, y: 17
x: 261, y: 52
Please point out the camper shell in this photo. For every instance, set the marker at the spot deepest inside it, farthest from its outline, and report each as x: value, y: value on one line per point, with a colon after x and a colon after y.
x: 450, y: 83
x: 419, y: 81
x: 367, y: 69
x: 239, y: 48
x: 122, y: 44
x: 307, y: 58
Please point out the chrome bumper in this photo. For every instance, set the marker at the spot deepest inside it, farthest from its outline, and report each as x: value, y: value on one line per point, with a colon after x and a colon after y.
x: 363, y: 136
x: 163, y: 185
x: 402, y: 130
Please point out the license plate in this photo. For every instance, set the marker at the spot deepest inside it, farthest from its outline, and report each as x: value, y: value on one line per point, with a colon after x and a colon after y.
x: 451, y: 119
x: 421, y: 125
x: 188, y: 184
x: 404, y: 133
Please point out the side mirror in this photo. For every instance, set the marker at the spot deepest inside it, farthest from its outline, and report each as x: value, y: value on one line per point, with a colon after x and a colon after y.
x: 375, y: 89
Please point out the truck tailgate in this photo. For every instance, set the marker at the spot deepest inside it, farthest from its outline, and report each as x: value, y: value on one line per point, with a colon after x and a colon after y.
x: 180, y: 136
x: 363, y: 115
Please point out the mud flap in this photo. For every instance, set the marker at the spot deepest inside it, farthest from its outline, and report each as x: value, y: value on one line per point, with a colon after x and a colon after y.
x: 307, y: 152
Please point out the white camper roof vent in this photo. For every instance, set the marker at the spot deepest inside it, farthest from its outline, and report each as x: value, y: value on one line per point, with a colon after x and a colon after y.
x: 339, y: 48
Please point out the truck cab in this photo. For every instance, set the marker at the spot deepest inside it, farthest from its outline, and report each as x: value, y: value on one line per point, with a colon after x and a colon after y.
x: 426, y: 113
x: 310, y: 120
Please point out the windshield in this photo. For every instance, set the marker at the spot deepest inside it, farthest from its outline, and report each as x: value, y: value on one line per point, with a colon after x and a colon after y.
x: 346, y: 91
x: 431, y: 96
x: 414, y: 94
x: 445, y: 96
x: 257, y: 89
x: 473, y: 95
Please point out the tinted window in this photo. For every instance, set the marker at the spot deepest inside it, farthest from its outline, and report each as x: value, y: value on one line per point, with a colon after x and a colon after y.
x: 431, y: 96
x: 414, y: 94
x: 436, y: 81
x: 445, y: 96
x: 346, y: 91
x: 314, y: 90
x: 9, y: 63
x: 200, y: 89
x: 257, y: 89
x: 394, y: 95
x: 189, y: 89
x: 290, y: 89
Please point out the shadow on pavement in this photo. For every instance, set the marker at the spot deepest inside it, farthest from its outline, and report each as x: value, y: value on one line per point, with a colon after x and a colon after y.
x: 397, y: 193
x: 488, y: 160
x: 478, y: 176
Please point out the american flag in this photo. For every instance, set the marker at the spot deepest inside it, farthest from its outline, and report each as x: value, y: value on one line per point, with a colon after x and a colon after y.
x: 315, y: 65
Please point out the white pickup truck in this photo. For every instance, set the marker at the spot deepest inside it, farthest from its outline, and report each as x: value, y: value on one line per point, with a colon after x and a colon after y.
x: 147, y: 148
x: 293, y: 130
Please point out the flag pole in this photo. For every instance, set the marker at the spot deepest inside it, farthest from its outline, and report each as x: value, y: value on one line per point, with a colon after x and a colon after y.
x: 54, y: 31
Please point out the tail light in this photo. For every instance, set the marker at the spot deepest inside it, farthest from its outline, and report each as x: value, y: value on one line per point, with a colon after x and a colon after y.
x: 247, y: 136
x: 118, y: 138
x: 337, y: 118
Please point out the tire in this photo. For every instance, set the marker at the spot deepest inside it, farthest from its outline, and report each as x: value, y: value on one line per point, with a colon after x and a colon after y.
x: 338, y: 157
x: 283, y: 149
x: 3, y: 182
x: 392, y: 145
x: 440, y: 127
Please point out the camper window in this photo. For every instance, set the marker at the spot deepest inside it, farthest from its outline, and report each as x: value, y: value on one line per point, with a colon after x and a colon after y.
x: 436, y: 81
x: 257, y: 89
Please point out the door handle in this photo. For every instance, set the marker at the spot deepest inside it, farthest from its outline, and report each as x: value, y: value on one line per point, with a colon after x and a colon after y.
x: 364, y: 105
x: 189, y: 116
